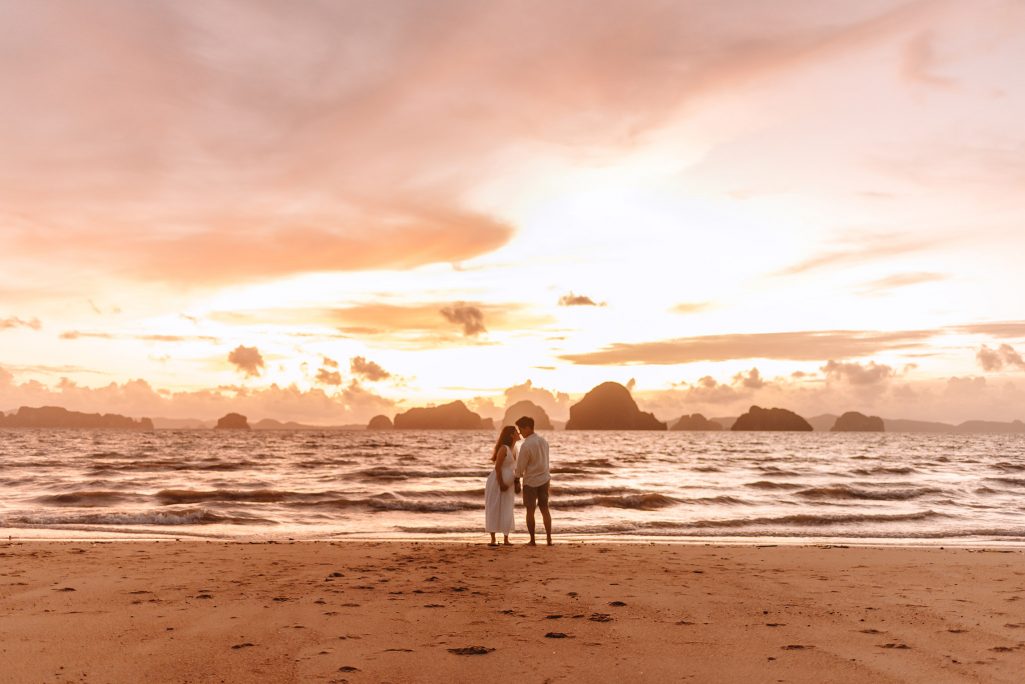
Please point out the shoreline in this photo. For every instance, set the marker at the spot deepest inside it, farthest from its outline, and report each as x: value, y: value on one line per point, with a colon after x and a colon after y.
x: 350, y: 611
x: 17, y: 535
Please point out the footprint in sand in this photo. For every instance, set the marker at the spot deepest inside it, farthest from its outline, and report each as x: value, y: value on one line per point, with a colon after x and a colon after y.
x: 471, y: 650
x: 557, y: 635
x: 245, y: 645
x: 616, y: 604
x: 796, y: 647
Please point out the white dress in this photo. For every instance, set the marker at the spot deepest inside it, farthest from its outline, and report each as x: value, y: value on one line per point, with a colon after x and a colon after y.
x: 498, y: 505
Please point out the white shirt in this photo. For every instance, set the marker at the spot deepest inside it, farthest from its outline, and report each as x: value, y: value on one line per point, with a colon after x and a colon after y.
x: 532, y: 462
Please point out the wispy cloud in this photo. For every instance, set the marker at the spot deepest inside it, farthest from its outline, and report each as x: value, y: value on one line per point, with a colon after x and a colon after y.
x: 578, y: 300
x: 797, y: 346
x: 12, y: 322
x: 884, y: 285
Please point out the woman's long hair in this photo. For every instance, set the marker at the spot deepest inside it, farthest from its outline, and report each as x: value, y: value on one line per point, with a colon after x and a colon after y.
x: 505, y: 438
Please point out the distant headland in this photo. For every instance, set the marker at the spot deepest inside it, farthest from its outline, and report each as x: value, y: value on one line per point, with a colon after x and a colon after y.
x: 58, y: 417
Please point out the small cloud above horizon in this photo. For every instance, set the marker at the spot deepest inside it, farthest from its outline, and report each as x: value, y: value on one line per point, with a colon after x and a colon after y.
x: 247, y: 360
x: 470, y: 317
x: 578, y: 300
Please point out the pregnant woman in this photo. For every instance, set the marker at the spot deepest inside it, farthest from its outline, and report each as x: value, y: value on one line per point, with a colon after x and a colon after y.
x: 499, y: 492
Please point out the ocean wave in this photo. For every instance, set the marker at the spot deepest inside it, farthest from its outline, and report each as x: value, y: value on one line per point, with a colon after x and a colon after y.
x: 642, y: 502
x: 1010, y: 467
x: 183, y: 517
x: 765, y: 484
x: 885, y: 470
x: 1013, y: 481
x: 775, y: 471
x: 185, y: 496
x: 808, y: 519
x: 388, y: 473
x: 85, y: 498
x: 848, y: 492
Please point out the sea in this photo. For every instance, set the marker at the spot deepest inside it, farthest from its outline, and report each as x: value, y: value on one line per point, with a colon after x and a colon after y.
x: 742, y: 487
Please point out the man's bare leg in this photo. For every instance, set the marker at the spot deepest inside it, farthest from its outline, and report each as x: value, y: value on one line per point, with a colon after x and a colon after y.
x: 546, y: 516
x: 530, y: 525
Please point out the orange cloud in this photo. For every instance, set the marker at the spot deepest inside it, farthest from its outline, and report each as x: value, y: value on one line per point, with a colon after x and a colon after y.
x: 15, y: 322
x: 577, y: 300
x: 367, y: 369
x: 797, y: 346
x: 248, y: 360
x: 470, y: 317
x: 177, y: 148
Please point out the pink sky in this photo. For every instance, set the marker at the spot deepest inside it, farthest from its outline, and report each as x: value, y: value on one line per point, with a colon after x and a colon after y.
x: 816, y: 205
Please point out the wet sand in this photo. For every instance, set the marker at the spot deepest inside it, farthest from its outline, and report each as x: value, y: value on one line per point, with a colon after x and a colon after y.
x: 399, y: 612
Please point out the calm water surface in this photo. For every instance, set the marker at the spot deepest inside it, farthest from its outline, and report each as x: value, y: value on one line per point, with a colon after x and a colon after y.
x: 353, y: 484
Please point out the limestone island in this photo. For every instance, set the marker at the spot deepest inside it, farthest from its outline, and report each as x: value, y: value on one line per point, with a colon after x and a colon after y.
x: 528, y: 408
x: 774, y: 419
x: 609, y: 406
x: 59, y: 417
x: 232, y: 421
x: 695, y: 422
x: 451, y: 416
x: 852, y: 421
x: 380, y: 422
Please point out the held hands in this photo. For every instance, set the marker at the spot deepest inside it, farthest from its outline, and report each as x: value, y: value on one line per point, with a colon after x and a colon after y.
x: 516, y: 485
x: 504, y: 487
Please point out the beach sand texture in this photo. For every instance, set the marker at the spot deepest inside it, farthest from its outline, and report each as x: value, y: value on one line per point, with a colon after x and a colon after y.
x: 403, y: 612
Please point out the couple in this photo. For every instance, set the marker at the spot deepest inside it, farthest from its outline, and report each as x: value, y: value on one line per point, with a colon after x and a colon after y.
x: 503, y: 482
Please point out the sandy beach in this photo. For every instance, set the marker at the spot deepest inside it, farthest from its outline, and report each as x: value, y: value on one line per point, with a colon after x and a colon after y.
x: 397, y: 612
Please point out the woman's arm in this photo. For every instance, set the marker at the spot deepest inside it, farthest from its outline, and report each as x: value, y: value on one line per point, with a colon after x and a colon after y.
x: 498, y: 468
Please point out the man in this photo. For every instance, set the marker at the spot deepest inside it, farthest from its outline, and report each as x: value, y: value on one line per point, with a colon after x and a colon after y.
x: 532, y: 466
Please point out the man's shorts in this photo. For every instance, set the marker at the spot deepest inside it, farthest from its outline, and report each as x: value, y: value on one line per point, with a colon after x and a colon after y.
x: 533, y: 496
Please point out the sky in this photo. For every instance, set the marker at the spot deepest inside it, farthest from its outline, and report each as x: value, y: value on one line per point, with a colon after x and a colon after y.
x: 322, y: 211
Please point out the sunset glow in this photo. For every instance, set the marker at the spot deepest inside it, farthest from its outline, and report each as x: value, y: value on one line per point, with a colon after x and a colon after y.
x: 816, y: 205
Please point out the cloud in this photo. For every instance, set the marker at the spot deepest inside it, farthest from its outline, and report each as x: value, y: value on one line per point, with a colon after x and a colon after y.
x: 751, y: 380
x: 689, y: 307
x: 859, y: 250
x: 577, y: 300
x: 78, y: 334
x: 15, y: 322
x: 884, y: 285
x: 797, y: 346
x: 137, y: 398
x: 400, y: 322
x: 329, y: 363
x: 556, y: 404
x: 248, y: 360
x: 328, y: 377
x: 996, y: 359
x: 368, y: 370
x: 870, y: 373
x: 1003, y: 329
x: 470, y: 317
x: 179, y: 148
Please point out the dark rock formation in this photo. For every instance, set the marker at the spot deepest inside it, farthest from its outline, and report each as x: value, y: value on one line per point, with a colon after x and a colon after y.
x: 380, y: 423
x: 453, y: 416
x: 609, y: 406
x: 776, y: 419
x: 232, y: 421
x: 487, y: 423
x: 695, y: 422
x: 528, y: 408
x: 852, y: 421
x: 59, y: 417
